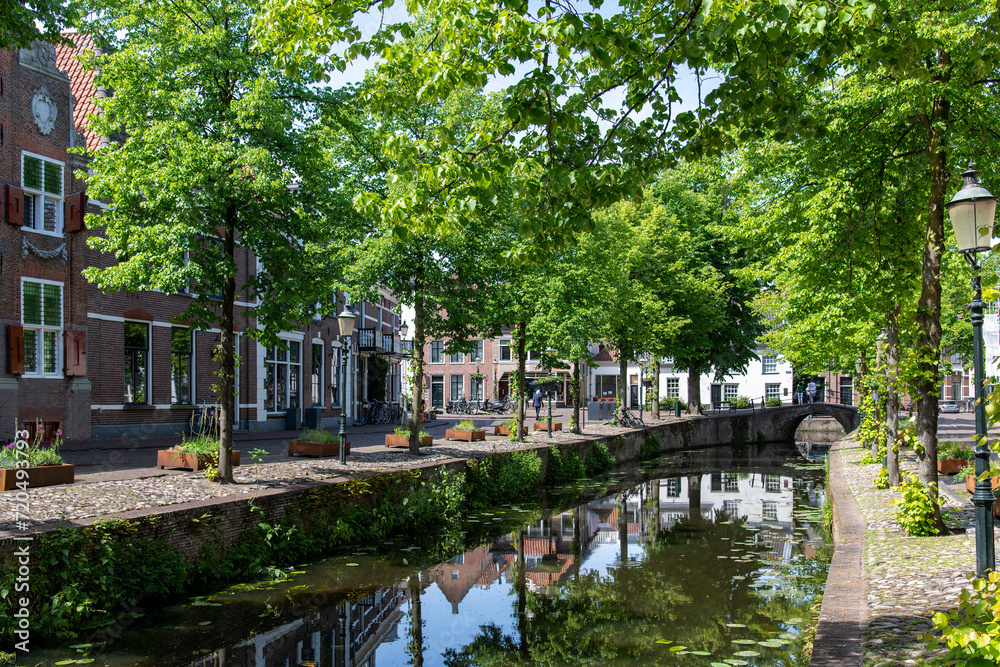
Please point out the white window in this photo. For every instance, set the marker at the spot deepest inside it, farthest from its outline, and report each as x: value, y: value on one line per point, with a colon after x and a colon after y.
x: 770, y: 512
x: 772, y: 390
x: 477, y: 353
x: 282, y: 370
x: 672, y: 487
x: 730, y: 482
x: 606, y: 386
x: 180, y: 365
x: 673, y: 388
x: 457, y: 358
x: 772, y: 483
x: 335, y: 378
x: 730, y: 391
x: 770, y: 363
x: 457, y: 385
x: 42, y: 182
x: 316, y: 376
x: 437, y: 351
x: 136, y: 362
x: 41, y: 317
x: 475, y: 388
x: 731, y: 508
x: 504, y: 349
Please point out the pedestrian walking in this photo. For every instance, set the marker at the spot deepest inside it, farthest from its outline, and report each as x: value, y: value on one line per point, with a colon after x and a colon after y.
x: 536, y: 402
x: 811, y: 389
x: 799, y: 393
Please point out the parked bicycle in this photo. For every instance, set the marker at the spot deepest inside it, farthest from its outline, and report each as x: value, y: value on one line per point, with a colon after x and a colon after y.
x: 623, y: 417
x: 205, y: 420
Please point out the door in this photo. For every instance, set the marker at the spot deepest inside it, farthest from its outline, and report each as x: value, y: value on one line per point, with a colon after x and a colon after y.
x: 716, y: 394
x: 437, y: 391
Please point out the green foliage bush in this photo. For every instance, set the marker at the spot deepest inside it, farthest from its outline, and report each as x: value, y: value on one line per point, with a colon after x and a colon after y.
x: 650, y: 448
x: 740, y: 403
x: 955, y: 450
x: 971, y: 632
x: 498, y: 479
x: 202, y: 445
x: 34, y: 451
x: 882, y: 479
x: 563, y: 467
x: 668, y: 404
x: 317, y: 435
x: 867, y: 459
x: 916, y: 507
x: 968, y: 471
x: 772, y: 403
x: 467, y: 425
x: 404, y: 432
x: 600, y: 459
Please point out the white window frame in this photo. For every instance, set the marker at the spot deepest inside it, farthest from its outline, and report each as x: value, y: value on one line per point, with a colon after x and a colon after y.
x: 772, y: 390
x: 41, y: 328
x: 39, y: 211
x: 477, y: 353
x: 730, y: 392
x: 322, y: 373
x: 769, y: 510
x: 769, y: 364
x: 451, y: 387
x: 191, y: 356
x: 440, y: 359
x: 149, y: 362
x: 456, y: 358
x: 504, y: 345
x: 288, y: 364
x: 673, y: 389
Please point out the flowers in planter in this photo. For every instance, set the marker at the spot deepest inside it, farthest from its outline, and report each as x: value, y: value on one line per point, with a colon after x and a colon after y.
x: 36, y: 453
x: 467, y: 425
x: 953, y: 450
x: 203, y: 445
x: 320, y: 435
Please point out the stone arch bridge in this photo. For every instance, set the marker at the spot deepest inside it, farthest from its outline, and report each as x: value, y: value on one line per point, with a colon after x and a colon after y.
x: 744, y: 426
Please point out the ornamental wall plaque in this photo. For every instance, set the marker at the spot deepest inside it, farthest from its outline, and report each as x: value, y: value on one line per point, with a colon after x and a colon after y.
x: 43, y: 110
x: 41, y: 57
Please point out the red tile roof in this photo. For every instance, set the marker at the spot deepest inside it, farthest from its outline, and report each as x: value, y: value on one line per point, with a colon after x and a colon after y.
x: 81, y: 83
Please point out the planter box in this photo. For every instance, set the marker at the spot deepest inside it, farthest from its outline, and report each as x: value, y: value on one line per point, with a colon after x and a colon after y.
x: 467, y: 436
x: 544, y: 426
x: 501, y: 430
x: 970, y: 483
x: 317, y: 449
x: 950, y: 466
x: 168, y: 459
x: 38, y: 476
x: 393, y: 440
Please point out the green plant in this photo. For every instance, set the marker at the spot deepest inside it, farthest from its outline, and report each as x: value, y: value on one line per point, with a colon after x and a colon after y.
x: 35, y: 452
x: 971, y: 632
x: 668, y: 404
x: 882, y: 479
x: 917, y: 507
x: 772, y: 403
x: 954, y: 450
x: 404, y: 432
x: 600, y: 459
x: 867, y: 459
x: 740, y: 403
x: 467, y: 425
x: 320, y: 435
x: 499, y: 478
x: 650, y: 448
x: 202, y: 445
x: 563, y: 467
x: 258, y: 455
x: 968, y: 471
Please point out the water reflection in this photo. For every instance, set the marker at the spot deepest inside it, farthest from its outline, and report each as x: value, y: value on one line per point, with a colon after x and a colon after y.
x: 723, y: 564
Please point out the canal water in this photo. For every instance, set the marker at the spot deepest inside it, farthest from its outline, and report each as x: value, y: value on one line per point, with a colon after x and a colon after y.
x: 706, y: 558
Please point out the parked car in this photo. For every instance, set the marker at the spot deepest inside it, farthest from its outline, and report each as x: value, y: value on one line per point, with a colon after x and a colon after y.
x: 950, y: 407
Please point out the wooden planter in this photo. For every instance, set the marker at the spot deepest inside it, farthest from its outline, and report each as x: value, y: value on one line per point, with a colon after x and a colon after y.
x: 38, y: 476
x: 970, y: 483
x: 393, y: 440
x: 950, y: 466
x: 168, y: 459
x: 317, y: 449
x: 501, y: 430
x: 544, y: 426
x: 467, y: 436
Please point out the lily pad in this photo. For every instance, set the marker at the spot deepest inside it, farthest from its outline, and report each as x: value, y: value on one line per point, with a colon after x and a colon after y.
x: 747, y: 654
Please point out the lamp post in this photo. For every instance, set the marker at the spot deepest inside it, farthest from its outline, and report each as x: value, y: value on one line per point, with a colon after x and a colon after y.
x: 404, y: 329
x: 550, y: 352
x: 496, y: 392
x: 345, y: 320
x: 972, y: 211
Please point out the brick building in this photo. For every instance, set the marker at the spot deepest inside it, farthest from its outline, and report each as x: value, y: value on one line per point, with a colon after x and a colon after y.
x: 127, y: 364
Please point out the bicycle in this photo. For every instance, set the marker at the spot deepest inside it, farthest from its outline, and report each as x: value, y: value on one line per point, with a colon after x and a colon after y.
x: 623, y: 417
x: 205, y: 421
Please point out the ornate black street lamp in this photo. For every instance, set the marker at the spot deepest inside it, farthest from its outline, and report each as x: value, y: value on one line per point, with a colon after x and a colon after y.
x: 345, y: 321
x: 972, y: 211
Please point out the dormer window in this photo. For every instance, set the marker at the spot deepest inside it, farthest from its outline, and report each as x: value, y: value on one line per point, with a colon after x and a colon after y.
x: 42, y: 182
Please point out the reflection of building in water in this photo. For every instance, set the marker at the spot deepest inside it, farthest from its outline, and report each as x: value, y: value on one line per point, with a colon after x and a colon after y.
x: 480, y: 567
x: 346, y: 634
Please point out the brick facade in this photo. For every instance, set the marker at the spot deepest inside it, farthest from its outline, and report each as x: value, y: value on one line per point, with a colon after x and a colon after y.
x: 43, y: 84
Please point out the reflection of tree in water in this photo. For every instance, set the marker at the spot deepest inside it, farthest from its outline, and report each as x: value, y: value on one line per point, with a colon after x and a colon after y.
x: 680, y: 590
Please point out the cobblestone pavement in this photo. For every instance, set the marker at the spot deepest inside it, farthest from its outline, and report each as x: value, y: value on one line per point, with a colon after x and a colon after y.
x: 111, y: 491
x: 908, y: 578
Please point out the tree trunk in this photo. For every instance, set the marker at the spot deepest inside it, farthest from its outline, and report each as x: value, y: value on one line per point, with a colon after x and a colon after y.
x: 623, y: 530
x: 694, y: 499
x: 656, y: 389
x: 622, y: 381
x: 416, y: 622
x: 419, y: 313
x: 577, y: 398
x: 522, y: 344
x: 892, y: 398
x: 521, y: 585
x: 929, y: 306
x: 226, y: 354
x: 694, y: 390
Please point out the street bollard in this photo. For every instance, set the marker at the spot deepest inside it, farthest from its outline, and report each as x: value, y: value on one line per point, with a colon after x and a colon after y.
x: 677, y: 408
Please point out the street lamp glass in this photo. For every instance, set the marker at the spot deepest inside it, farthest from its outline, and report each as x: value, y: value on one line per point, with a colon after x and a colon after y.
x: 346, y: 320
x: 972, y: 211
x: 404, y: 329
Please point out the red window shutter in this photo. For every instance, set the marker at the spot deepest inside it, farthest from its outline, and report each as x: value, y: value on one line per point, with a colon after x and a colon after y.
x: 15, y: 205
x: 15, y: 349
x: 76, y: 205
x: 76, y: 353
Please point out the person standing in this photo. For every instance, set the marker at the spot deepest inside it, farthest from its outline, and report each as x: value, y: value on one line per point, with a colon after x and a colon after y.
x: 799, y: 394
x: 811, y: 389
x: 536, y: 402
